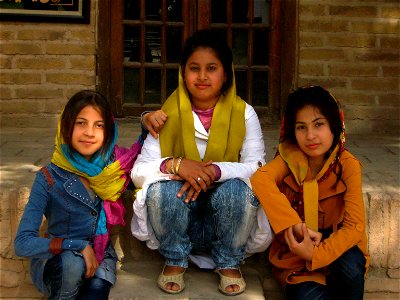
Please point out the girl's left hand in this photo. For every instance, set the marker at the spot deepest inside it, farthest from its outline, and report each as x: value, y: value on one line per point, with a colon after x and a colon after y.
x: 305, y: 248
x: 192, y: 186
x: 90, y: 261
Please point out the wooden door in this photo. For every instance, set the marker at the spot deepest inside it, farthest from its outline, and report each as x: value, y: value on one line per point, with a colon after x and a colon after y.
x: 142, y: 40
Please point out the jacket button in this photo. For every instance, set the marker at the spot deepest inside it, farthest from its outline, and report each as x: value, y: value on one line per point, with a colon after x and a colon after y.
x: 94, y: 213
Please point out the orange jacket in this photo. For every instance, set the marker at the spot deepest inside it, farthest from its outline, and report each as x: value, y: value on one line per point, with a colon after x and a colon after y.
x: 341, y: 208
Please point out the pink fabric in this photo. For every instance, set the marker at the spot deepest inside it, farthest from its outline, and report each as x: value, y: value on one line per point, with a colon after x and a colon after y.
x: 99, y: 246
x: 163, y: 166
x: 115, y: 210
x: 218, y: 172
x: 205, y: 116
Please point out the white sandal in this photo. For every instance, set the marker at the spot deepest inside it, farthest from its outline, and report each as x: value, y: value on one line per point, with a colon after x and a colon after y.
x: 225, y: 281
x: 177, y: 279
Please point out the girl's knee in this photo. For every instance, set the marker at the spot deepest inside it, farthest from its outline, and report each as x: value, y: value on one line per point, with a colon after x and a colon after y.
x: 161, y: 191
x: 237, y: 193
x: 73, y: 267
x: 350, y: 264
x: 95, y: 289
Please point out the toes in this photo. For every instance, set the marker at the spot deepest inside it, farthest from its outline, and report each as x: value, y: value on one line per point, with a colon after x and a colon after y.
x: 232, y: 288
x: 172, y: 286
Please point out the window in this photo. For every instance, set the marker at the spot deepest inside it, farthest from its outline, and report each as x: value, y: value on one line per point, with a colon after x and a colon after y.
x: 140, y: 44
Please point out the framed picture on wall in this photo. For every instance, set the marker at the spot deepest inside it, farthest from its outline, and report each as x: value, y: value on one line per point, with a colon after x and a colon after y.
x: 60, y: 11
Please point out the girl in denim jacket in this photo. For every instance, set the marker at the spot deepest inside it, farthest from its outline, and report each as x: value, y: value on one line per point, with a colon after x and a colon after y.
x: 79, y: 195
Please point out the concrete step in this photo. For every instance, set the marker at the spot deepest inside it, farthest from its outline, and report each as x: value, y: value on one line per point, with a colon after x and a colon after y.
x: 137, y: 280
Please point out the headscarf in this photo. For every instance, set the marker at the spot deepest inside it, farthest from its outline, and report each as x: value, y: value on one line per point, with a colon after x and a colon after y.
x: 297, y: 162
x: 227, y: 131
x: 108, y: 177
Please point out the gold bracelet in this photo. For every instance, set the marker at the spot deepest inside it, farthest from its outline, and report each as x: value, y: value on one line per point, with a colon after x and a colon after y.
x: 178, y: 164
x: 171, y: 169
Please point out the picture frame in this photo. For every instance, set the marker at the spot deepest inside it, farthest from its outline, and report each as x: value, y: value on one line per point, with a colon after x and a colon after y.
x: 59, y: 11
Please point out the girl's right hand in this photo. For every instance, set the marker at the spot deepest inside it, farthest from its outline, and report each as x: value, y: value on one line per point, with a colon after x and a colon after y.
x: 90, y: 261
x: 154, y: 121
x: 315, y: 236
x: 303, y: 249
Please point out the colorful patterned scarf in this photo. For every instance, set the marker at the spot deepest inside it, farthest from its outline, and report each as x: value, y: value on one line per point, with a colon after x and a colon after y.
x: 226, y: 134
x: 108, y: 176
x: 297, y: 162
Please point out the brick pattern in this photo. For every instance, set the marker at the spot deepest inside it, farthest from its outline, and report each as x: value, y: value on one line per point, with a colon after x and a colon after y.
x: 352, y: 48
x: 42, y: 66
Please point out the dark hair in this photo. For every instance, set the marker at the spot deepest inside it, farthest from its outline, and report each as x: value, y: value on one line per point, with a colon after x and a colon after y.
x: 207, y: 38
x: 317, y: 97
x: 71, y: 110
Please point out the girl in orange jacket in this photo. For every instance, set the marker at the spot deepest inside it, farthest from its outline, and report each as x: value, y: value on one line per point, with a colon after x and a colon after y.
x: 311, y: 193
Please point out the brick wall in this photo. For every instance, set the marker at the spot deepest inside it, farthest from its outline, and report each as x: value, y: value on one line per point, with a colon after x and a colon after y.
x: 352, y: 48
x: 42, y: 65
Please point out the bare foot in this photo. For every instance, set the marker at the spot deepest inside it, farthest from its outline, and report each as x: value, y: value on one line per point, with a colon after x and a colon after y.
x: 172, y: 270
x: 234, y: 273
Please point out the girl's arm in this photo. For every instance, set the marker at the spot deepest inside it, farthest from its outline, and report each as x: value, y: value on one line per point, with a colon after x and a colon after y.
x: 27, y: 242
x: 252, y: 153
x: 353, y: 225
x: 147, y: 164
x: 277, y: 207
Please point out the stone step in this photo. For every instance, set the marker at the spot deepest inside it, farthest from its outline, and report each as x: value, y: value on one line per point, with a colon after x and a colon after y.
x: 137, y: 280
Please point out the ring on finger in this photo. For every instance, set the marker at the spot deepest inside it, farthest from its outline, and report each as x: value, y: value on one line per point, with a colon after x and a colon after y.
x: 198, y: 178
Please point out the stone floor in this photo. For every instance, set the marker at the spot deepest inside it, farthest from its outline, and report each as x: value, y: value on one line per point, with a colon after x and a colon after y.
x: 24, y: 150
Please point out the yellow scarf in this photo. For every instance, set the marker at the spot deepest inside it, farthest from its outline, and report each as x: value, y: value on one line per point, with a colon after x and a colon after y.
x: 177, y: 138
x: 298, y: 164
x: 108, y: 184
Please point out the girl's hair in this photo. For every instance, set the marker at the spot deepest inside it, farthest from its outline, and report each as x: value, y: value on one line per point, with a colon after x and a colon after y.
x: 75, y: 104
x: 317, y: 97
x: 207, y: 38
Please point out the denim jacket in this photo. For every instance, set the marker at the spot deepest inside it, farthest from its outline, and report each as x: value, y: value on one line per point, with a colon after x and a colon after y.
x: 71, y: 214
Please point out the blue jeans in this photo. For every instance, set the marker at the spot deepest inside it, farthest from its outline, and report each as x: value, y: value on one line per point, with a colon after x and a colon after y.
x: 345, y: 280
x: 64, y: 274
x: 218, y: 222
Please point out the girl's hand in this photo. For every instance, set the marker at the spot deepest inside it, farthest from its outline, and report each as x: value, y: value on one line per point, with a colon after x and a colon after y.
x: 314, y: 235
x: 198, y: 174
x: 298, y: 231
x: 90, y: 261
x: 190, y: 171
x: 305, y: 248
x: 191, y: 195
x: 154, y: 121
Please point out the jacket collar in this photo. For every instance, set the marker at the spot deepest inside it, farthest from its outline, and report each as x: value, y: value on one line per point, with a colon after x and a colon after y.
x: 323, y: 192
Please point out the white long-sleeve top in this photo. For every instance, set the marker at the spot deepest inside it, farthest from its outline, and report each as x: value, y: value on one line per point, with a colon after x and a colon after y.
x: 146, y: 171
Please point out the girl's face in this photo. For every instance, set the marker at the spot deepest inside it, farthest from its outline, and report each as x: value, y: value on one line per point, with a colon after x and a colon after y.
x: 88, y: 133
x: 204, y: 76
x: 313, y: 133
